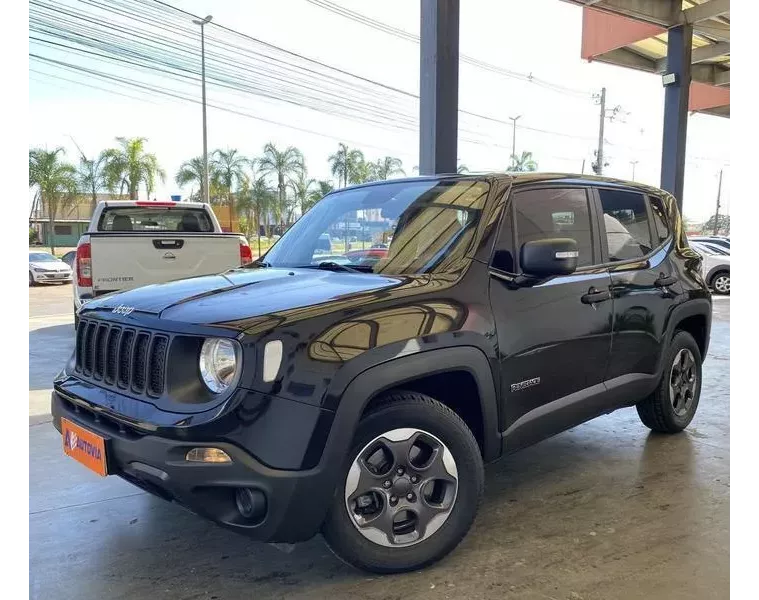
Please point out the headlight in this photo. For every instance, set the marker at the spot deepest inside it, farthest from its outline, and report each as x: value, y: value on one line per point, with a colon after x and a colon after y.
x: 219, y: 363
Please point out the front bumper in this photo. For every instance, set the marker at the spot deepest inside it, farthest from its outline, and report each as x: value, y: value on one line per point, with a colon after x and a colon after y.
x: 157, y: 464
x: 52, y: 277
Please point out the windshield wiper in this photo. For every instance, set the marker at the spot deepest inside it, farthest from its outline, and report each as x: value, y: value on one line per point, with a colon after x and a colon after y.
x: 329, y: 265
x: 256, y: 264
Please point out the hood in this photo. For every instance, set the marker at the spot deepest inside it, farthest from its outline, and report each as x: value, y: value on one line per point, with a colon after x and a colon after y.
x: 49, y: 265
x: 243, y: 293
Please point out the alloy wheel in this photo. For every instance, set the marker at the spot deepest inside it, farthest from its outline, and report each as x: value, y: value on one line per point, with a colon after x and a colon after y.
x: 722, y: 284
x: 401, y: 488
x: 682, y: 382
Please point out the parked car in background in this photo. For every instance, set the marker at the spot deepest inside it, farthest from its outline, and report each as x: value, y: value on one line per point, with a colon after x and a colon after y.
x: 69, y: 258
x: 367, y: 257
x: 46, y: 268
x: 715, y: 267
x: 132, y: 244
x: 718, y: 240
x: 324, y: 244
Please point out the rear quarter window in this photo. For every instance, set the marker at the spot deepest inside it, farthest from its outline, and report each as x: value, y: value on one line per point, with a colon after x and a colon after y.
x: 158, y: 219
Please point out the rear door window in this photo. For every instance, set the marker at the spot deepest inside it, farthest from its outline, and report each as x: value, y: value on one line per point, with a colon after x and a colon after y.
x: 660, y: 219
x: 158, y: 219
x: 625, y: 219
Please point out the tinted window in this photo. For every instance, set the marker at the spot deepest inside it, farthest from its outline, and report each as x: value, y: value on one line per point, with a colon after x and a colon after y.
x: 555, y: 213
x: 169, y: 218
x: 660, y: 219
x: 626, y: 223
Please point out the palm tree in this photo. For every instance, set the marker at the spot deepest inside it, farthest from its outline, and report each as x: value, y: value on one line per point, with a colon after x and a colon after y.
x: 129, y: 166
x: 55, y: 181
x: 523, y: 163
x: 91, y: 176
x: 284, y: 165
x: 301, y: 187
x: 228, y: 170
x: 256, y: 197
x: 385, y: 168
x: 191, y: 171
x: 348, y: 165
x: 323, y: 188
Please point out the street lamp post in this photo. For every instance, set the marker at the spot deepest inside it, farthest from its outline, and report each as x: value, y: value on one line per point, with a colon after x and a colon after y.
x: 633, y: 163
x: 514, y: 135
x: 203, y: 23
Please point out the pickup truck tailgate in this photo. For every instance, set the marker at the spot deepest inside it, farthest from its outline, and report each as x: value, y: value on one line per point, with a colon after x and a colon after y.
x: 126, y: 261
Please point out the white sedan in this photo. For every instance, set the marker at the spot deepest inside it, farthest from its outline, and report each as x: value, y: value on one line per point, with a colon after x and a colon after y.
x: 715, y: 267
x: 46, y: 268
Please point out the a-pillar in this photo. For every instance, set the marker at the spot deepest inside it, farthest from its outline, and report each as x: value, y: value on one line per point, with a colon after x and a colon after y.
x: 679, y: 44
x: 439, y: 86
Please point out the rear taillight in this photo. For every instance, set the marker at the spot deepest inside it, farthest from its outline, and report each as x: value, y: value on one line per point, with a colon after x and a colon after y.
x: 84, y: 265
x: 246, y: 255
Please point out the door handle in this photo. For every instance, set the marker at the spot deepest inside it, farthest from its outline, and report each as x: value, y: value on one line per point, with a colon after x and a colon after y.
x: 665, y: 281
x: 593, y: 296
x: 171, y: 244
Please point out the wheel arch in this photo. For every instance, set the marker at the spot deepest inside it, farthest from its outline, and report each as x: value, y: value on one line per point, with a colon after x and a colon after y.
x: 695, y: 318
x: 417, y: 372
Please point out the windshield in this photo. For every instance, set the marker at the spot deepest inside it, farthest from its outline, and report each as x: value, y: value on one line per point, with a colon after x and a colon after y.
x: 41, y: 257
x: 393, y: 228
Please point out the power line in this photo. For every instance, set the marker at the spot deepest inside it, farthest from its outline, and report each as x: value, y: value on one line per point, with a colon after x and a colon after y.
x: 405, y: 35
x: 387, y: 116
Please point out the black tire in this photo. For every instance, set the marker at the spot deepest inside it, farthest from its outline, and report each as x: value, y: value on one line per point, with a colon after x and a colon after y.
x: 409, y: 410
x: 76, y: 320
x: 32, y: 283
x: 657, y: 412
x: 721, y: 285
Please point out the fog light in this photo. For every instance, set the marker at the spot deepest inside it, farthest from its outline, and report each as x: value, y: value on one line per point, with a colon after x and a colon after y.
x: 207, y: 455
x: 251, y: 503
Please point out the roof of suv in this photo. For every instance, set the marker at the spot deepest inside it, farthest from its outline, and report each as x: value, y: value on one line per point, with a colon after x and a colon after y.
x: 529, y: 177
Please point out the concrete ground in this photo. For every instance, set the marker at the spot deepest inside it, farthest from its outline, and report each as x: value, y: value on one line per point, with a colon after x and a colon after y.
x: 606, y: 510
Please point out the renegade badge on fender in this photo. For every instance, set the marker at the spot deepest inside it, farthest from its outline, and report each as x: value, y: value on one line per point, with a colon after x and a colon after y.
x: 359, y: 393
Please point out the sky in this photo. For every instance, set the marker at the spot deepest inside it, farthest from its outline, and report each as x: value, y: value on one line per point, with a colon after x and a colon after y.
x: 541, y: 37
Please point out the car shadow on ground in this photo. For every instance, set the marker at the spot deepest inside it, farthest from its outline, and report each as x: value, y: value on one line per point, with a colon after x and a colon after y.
x: 529, y: 497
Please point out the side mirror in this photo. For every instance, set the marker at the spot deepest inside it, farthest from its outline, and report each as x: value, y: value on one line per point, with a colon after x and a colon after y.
x: 544, y: 258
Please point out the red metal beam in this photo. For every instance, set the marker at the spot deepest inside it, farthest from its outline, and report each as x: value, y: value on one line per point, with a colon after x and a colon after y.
x: 704, y: 96
x: 603, y: 31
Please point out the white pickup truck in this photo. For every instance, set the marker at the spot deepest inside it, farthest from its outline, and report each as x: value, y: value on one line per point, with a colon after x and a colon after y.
x: 131, y: 244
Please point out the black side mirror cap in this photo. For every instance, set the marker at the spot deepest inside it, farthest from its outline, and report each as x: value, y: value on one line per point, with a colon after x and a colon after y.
x: 545, y: 258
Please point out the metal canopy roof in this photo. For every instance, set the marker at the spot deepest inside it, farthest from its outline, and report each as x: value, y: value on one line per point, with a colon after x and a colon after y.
x: 633, y: 33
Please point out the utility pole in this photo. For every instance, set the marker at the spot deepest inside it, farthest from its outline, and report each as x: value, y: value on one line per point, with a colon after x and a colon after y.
x: 716, y: 213
x: 514, y: 135
x: 203, y: 23
x: 633, y: 163
x: 600, y: 151
x: 583, y: 167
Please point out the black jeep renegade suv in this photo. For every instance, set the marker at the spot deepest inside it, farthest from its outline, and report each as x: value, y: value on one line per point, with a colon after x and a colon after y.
x: 359, y: 392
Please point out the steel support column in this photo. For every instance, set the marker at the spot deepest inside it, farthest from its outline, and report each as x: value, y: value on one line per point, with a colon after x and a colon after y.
x: 439, y: 86
x: 679, y: 46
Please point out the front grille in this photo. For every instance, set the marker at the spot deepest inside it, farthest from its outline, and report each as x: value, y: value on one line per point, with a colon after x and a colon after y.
x: 126, y: 358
